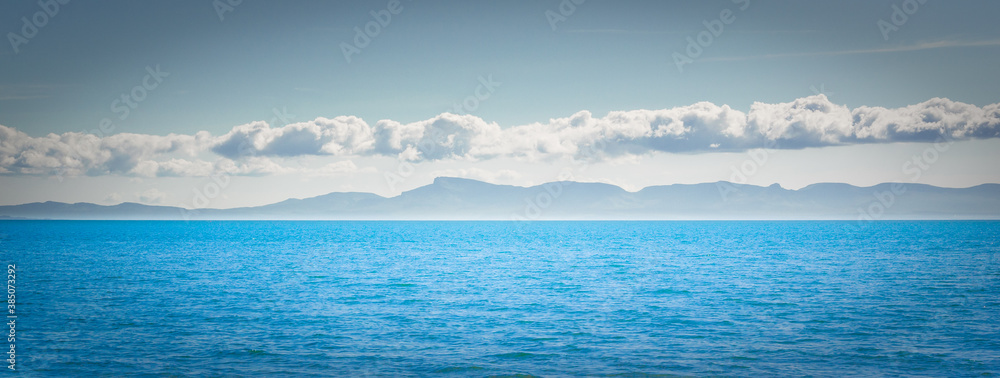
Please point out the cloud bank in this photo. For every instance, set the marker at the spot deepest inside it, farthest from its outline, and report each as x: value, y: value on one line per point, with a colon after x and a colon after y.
x: 699, y: 128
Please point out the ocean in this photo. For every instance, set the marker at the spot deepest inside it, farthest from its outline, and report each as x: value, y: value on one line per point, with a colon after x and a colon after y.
x: 262, y: 298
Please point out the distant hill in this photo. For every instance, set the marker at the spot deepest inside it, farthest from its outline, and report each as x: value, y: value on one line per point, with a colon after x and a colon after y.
x: 464, y: 199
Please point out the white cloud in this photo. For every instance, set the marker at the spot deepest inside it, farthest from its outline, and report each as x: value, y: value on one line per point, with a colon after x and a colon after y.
x: 702, y: 127
x: 323, y: 136
x: 805, y: 122
x: 927, y: 121
x: 78, y: 153
x: 444, y: 136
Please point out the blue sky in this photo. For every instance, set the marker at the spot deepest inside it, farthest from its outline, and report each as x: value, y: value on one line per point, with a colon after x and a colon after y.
x: 266, y: 58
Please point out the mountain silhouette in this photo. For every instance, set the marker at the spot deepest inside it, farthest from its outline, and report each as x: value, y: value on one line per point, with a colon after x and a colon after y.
x: 449, y: 198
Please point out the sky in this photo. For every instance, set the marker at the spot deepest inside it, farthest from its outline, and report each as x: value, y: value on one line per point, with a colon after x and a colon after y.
x: 257, y: 102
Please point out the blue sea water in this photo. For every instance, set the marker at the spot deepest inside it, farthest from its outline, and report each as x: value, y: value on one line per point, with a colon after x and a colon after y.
x: 502, y: 298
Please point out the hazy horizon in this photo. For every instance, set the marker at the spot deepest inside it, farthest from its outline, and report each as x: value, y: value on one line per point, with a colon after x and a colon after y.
x: 525, y: 186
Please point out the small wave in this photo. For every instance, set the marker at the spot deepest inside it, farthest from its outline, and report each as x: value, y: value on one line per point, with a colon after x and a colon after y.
x: 522, y: 355
x: 459, y: 369
x: 670, y: 291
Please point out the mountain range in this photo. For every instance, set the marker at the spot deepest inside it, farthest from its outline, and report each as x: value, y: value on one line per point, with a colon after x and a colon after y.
x: 450, y: 198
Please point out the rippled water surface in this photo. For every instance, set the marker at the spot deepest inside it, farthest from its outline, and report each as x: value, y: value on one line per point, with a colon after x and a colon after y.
x: 499, y: 298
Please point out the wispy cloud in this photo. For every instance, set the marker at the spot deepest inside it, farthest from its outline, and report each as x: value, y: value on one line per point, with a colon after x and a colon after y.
x: 777, y: 31
x: 881, y: 50
x: 680, y: 32
x: 16, y: 92
x: 21, y: 97
x: 624, y: 31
